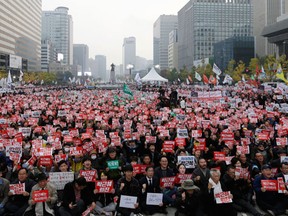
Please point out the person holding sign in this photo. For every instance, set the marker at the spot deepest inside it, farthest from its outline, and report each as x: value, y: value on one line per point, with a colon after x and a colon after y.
x: 112, y: 164
x: 189, y: 201
x: 42, y: 205
x: 216, y: 187
x: 18, y: 203
x: 150, y: 184
x: 4, y: 189
x: 76, y: 198
x: 104, y: 200
x: 268, y: 200
x: 128, y: 186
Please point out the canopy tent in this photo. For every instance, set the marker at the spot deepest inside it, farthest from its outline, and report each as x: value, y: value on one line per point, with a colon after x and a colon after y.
x: 153, y: 76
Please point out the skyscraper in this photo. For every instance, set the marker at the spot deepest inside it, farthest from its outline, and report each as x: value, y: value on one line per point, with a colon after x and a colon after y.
x: 81, y: 56
x: 20, y: 29
x: 161, y: 29
x: 57, y: 26
x: 173, y: 50
x: 202, y: 23
x: 266, y: 13
x: 100, y: 67
x: 128, y: 53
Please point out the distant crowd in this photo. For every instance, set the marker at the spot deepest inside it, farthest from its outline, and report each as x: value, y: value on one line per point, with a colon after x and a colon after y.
x: 77, y: 151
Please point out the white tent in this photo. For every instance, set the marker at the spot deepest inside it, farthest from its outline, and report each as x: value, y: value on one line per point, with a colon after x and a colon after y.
x: 153, y: 76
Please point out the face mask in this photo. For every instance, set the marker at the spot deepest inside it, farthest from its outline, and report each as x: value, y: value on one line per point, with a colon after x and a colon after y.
x: 67, y: 149
x: 27, y: 146
x: 93, y: 157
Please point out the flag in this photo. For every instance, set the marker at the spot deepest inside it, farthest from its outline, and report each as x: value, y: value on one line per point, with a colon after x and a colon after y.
x: 216, y: 70
x: 190, y: 78
x: 212, y: 80
x: 227, y: 79
x: 127, y: 90
x: 243, y: 78
x: 42, y: 82
x: 252, y: 77
x: 21, y: 75
x: 179, y: 80
x: 187, y: 81
x: 70, y: 79
x: 205, y: 79
x: 73, y: 80
x: 197, y: 76
x: 262, y: 74
x: 280, y: 74
x: 137, y: 79
x: 9, y: 80
x: 257, y: 71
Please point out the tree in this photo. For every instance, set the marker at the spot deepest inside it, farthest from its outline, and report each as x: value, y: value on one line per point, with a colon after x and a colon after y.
x: 238, y: 72
x: 254, y: 63
x: 230, y: 67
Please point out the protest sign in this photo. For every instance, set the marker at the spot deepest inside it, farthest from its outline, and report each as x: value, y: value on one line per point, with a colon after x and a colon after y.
x: 45, y: 161
x: 281, y: 141
x: 139, y: 168
x: 113, y: 164
x: 196, y: 133
x: 270, y: 185
x: 104, y: 186
x: 180, y: 141
x: 59, y: 179
x: 180, y: 178
x: 40, y: 195
x: 281, y: 185
x: 17, y: 188
x: 167, y: 181
x: 200, y: 144
x: 154, y: 199
x: 168, y: 146
x: 89, y: 175
x: 182, y: 133
x: 188, y: 161
x: 128, y: 201
x: 223, y: 197
x: 75, y: 151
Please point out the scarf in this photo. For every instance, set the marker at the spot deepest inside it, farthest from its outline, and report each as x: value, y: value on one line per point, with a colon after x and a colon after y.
x: 217, y: 187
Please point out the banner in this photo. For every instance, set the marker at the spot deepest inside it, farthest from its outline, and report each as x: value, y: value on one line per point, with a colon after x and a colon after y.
x: 216, y: 70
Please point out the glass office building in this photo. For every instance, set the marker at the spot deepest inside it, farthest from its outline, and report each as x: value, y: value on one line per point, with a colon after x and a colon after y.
x: 20, y: 31
x: 202, y: 23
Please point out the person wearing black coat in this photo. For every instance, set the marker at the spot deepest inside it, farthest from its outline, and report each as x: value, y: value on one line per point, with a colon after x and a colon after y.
x: 201, y: 174
x: 189, y: 200
x: 215, y: 187
x: 150, y: 184
x: 76, y: 198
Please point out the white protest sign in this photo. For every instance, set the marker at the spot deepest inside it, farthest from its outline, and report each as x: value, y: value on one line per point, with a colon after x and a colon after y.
x: 14, y: 149
x: 26, y: 131
x: 154, y: 198
x: 128, y: 201
x: 59, y: 179
x: 188, y: 161
x: 182, y: 133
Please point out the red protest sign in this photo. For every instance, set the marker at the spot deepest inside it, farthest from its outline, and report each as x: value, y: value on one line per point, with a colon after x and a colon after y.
x: 74, y: 151
x: 242, y: 172
x: 139, y: 168
x: 196, y: 133
x: 58, y: 158
x: 200, y: 144
x: 105, y: 186
x: 223, y: 197
x: 263, y: 136
x: 17, y: 188
x: 219, y: 156
x: 167, y: 182
x: 243, y: 149
x: 281, y: 185
x: 150, y: 139
x: 89, y: 175
x: 32, y: 160
x: 227, y: 136
x: 168, y: 146
x: 281, y: 141
x: 180, y: 178
x: 270, y: 185
x: 45, y: 161
x: 180, y: 141
x: 68, y: 138
x: 40, y: 195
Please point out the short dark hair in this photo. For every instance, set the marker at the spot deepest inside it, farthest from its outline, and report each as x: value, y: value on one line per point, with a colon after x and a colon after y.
x: 163, y: 156
x: 81, y: 181
x: 149, y: 167
x: 22, y: 168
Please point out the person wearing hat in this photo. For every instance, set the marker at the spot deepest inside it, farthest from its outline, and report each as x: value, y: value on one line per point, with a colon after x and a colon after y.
x: 128, y: 186
x: 269, y: 201
x: 42, y: 208
x: 189, y: 200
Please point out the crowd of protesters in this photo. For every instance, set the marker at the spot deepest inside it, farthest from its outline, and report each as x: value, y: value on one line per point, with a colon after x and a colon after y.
x: 203, y: 151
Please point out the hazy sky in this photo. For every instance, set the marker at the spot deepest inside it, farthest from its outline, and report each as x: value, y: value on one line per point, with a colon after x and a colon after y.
x: 103, y: 24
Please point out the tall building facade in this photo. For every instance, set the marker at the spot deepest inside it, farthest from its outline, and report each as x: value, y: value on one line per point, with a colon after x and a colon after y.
x: 57, y: 26
x: 202, y: 23
x: 48, y: 55
x: 100, y: 67
x: 128, y: 53
x: 173, y: 50
x: 161, y: 29
x: 20, y: 28
x: 266, y: 13
x: 81, y: 56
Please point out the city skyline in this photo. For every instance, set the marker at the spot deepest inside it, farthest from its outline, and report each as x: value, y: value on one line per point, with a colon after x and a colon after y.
x: 106, y: 38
